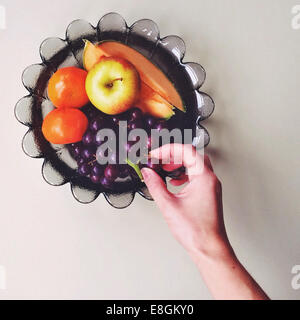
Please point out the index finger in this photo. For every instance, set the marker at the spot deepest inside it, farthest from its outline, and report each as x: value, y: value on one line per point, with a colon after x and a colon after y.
x: 184, y: 154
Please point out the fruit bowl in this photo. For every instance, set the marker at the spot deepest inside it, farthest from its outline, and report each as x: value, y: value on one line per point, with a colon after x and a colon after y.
x: 59, y: 167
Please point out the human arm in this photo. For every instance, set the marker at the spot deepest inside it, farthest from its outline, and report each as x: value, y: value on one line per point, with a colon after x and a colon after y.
x: 195, y: 218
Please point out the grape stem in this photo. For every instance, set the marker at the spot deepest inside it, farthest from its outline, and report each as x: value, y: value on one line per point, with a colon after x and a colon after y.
x: 92, y: 161
x: 136, y: 168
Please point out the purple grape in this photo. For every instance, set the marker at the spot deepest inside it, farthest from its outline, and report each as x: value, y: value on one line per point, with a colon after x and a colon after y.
x: 104, y: 153
x: 88, y: 138
x: 128, y: 146
x: 101, y: 153
x: 115, y: 120
x: 150, y: 121
x: 111, y: 172
x: 135, y: 124
x: 124, y: 171
x: 151, y: 143
x: 113, y: 158
x: 132, y: 173
x: 135, y: 114
x: 80, y: 161
x: 98, y: 141
x: 97, y: 169
x: 161, y: 125
x: 84, y: 169
x: 134, y: 138
x: 97, y: 124
x: 87, y: 154
x: 91, y: 112
x: 71, y: 146
x: 76, y: 152
x: 106, y: 182
x: 95, y: 178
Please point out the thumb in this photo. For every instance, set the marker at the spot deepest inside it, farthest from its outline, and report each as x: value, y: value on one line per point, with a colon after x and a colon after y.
x: 157, y: 188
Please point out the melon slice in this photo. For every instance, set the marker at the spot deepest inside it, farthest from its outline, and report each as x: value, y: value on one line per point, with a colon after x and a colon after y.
x: 151, y: 102
x: 91, y: 55
x: 149, y: 73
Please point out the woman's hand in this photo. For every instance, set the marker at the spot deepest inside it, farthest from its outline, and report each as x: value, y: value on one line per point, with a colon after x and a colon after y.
x: 195, y: 217
x: 195, y: 214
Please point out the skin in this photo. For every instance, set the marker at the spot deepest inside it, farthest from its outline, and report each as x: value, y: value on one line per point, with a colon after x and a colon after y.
x: 195, y: 218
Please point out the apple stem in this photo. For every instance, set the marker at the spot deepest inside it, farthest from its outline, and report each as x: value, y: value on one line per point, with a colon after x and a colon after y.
x: 110, y: 84
x: 121, y: 79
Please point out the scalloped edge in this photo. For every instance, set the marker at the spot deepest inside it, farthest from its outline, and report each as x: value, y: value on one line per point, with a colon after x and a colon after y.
x: 44, y: 64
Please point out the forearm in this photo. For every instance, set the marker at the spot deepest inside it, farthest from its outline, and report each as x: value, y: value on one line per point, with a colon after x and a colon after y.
x: 195, y: 217
x: 224, y: 275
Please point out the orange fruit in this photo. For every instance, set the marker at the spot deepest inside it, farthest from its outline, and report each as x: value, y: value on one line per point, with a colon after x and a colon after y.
x: 66, y: 88
x: 63, y: 126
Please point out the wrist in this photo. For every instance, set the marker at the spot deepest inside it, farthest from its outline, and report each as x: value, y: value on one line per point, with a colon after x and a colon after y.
x: 215, y: 247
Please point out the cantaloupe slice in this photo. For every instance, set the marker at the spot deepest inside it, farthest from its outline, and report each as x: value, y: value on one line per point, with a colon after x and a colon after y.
x: 149, y: 73
x: 151, y: 102
x: 91, y: 55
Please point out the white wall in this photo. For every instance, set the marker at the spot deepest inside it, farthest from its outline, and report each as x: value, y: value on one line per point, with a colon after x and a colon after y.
x: 53, y: 247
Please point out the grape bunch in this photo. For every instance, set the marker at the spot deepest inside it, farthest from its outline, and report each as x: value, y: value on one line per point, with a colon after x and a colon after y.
x: 84, y: 152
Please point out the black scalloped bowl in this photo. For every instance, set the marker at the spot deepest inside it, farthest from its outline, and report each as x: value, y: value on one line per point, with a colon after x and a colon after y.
x: 167, y: 53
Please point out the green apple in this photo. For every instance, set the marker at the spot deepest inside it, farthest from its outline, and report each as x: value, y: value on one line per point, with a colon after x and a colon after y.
x: 113, y: 85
